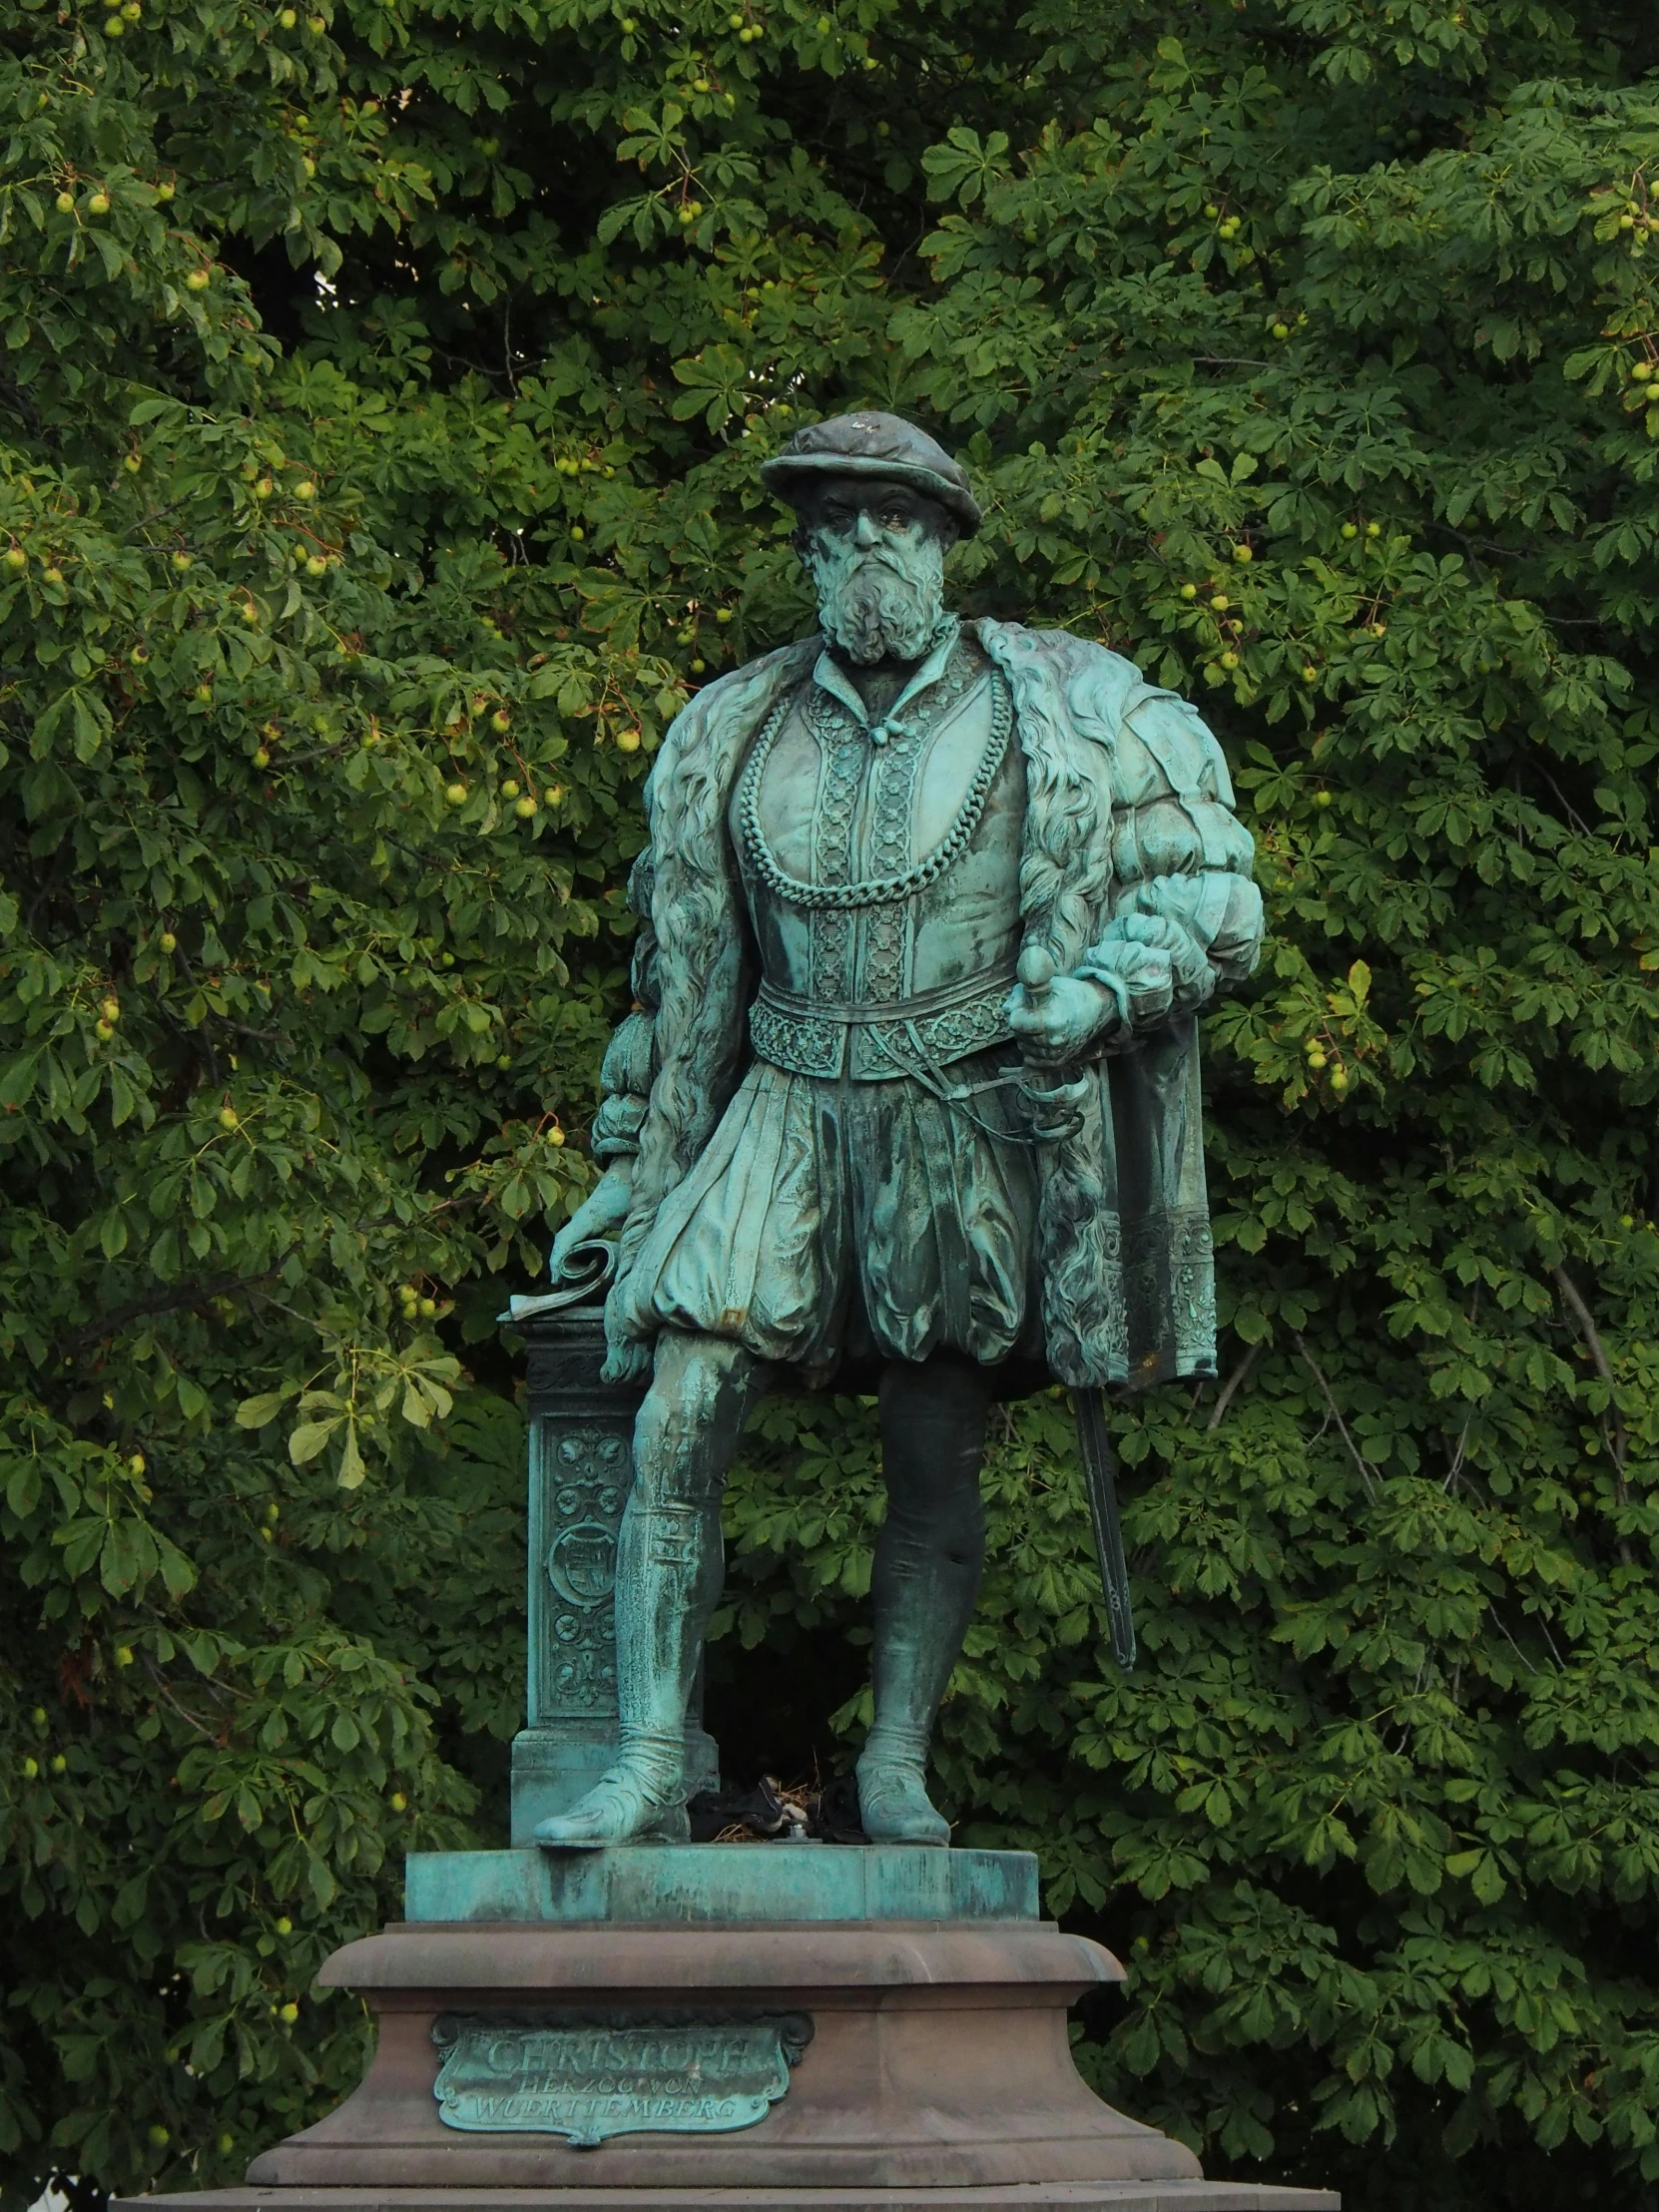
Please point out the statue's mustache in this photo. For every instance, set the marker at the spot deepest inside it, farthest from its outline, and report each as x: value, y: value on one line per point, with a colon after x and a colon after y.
x: 867, y: 556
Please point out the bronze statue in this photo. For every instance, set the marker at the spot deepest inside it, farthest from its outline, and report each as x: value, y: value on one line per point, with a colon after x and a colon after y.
x: 910, y: 1094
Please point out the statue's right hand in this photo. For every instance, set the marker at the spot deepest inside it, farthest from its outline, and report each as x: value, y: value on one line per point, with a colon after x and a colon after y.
x: 600, y: 1215
x: 626, y: 1362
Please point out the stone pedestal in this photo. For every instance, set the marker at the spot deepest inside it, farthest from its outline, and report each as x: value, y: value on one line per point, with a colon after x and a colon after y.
x: 763, y: 2026
x: 581, y: 1467
x: 930, y: 2057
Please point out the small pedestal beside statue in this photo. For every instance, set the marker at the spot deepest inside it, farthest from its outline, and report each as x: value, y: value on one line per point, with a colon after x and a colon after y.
x: 910, y: 1094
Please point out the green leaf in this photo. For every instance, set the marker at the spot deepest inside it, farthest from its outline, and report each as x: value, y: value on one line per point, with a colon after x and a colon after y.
x: 351, y: 1468
x: 255, y: 1412
x: 308, y: 1438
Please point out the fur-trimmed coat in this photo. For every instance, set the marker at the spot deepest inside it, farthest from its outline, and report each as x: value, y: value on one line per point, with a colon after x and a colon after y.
x: 1129, y: 835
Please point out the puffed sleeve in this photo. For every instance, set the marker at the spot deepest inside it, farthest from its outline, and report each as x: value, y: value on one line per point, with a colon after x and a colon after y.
x: 630, y: 1063
x: 1181, y: 865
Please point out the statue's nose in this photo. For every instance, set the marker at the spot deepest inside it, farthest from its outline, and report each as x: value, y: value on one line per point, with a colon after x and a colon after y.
x: 866, y: 532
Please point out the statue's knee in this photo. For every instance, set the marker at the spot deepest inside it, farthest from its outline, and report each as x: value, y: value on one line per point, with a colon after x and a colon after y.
x: 659, y: 1449
x: 681, y: 1430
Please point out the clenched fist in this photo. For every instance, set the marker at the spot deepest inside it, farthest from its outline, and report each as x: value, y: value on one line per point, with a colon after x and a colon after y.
x: 1061, y: 1019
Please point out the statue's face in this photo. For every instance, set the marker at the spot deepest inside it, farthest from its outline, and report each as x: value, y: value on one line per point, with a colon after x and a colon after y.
x: 876, y: 554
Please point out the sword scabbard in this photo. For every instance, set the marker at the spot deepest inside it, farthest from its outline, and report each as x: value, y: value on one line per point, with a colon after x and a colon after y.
x: 1056, y: 1115
x: 1100, y: 1480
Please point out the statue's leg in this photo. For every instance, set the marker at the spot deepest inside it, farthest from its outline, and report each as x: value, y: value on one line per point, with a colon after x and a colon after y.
x: 668, y: 1571
x: 926, y: 1580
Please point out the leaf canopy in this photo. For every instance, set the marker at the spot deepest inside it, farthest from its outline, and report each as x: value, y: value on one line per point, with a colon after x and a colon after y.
x: 383, y: 392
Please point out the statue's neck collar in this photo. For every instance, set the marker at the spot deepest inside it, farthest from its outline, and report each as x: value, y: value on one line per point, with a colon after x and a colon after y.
x: 831, y: 677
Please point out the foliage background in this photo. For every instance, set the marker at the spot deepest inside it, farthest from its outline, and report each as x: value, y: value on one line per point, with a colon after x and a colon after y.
x: 382, y: 391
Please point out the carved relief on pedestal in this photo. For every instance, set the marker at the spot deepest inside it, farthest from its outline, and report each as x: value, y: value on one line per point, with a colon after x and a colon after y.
x: 584, y: 1476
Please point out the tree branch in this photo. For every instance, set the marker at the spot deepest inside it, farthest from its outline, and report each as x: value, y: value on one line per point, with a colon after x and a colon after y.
x: 1618, y: 1440
x: 1357, y: 1457
x: 189, y: 1718
x: 141, y: 1309
x: 1598, y: 1357
x: 1226, y: 1394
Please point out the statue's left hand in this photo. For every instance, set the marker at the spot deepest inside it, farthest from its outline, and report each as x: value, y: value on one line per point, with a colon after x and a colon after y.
x: 1154, y: 967
x: 1063, y: 1020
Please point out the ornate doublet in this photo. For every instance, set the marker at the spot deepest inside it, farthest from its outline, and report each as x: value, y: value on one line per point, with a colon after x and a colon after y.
x: 879, y: 859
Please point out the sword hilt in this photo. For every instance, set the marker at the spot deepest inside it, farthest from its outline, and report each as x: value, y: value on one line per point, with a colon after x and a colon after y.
x: 1055, y: 1106
x: 1036, y: 971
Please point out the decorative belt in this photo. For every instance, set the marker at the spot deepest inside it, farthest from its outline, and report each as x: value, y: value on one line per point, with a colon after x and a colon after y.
x: 882, y: 1038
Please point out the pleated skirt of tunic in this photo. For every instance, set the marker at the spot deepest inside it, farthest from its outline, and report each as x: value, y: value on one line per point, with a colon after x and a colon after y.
x: 829, y: 1221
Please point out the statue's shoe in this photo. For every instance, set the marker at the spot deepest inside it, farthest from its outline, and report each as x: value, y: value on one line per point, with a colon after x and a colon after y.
x: 893, y: 1807
x: 619, y: 1809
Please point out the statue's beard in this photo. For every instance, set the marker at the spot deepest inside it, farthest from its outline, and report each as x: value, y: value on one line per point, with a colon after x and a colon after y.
x: 878, y: 602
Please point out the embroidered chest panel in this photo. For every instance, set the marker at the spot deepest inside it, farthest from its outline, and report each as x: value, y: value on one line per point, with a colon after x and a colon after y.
x: 860, y: 894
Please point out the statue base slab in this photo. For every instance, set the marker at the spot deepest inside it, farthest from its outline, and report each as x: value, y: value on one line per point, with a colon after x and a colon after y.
x: 722, y: 1885
x: 1055, y: 2196
x: 772, y: 2028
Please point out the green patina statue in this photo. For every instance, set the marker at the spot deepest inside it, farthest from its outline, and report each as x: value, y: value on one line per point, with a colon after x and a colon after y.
x: 910, y: 1095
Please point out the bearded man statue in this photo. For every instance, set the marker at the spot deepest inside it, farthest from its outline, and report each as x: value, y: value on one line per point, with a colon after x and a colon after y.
x: 909, y: 1098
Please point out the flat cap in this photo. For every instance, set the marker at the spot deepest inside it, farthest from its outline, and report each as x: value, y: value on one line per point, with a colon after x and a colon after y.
x: 874, y: 446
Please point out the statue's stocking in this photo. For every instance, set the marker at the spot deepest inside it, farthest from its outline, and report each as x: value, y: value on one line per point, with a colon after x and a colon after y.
x: 926, y: 1580
x: 669, y: 1569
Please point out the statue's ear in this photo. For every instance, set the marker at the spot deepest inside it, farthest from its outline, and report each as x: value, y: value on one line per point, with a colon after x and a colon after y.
x: 939, y: 522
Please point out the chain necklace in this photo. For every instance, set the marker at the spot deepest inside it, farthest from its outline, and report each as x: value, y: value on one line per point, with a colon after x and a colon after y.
x: 874, y: 890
